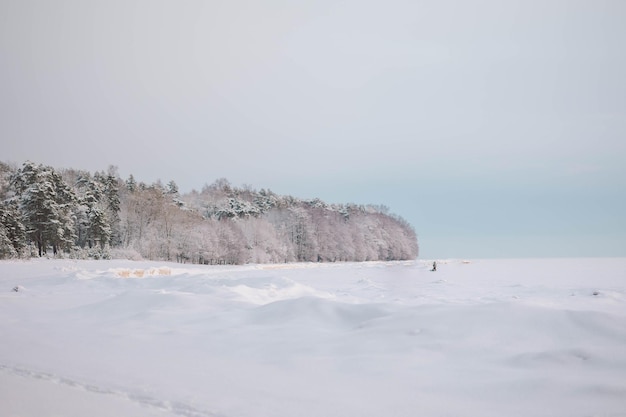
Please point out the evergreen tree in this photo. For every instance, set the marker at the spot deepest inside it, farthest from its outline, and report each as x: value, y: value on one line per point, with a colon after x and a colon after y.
x: 172, y: 188
x: 131, y: 184
x: 46, y: 203
x: 99, y: 228
x: 6, y: 248
x: 13, y: 231
x: 5, y: 180
x: 112, y: 195
x: 98, y: 209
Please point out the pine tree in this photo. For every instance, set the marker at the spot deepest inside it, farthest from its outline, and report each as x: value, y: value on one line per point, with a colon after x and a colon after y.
x: 112, y: 195
x: 13, y: 231
x: 172, y: 188
x: 46, y: 203
x: 99, y: 229
x: 131, y: 184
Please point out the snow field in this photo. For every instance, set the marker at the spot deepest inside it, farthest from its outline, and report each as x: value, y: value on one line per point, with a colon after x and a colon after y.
x: 539, y: 337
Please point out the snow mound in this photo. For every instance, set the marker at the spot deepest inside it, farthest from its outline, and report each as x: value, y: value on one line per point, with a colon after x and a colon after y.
x: 280, y: 289
x: 312, y: 311
x: 141, y: 273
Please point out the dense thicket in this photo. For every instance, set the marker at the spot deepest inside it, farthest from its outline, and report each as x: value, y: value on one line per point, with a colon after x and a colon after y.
x: 79, y: 214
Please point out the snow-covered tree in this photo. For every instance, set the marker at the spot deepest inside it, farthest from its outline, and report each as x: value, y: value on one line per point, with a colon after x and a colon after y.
x: 46, y: 203
x: 131, y: 184
x: 172, y: 188
x: 12, y: 231
x: 220, y: 224
x: 111, y: 194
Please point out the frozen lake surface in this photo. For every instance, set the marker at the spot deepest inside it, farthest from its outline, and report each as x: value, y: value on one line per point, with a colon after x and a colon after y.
x: 544, y: 337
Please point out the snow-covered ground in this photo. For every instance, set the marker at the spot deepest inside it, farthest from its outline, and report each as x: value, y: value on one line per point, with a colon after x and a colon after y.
x: 481, y: 338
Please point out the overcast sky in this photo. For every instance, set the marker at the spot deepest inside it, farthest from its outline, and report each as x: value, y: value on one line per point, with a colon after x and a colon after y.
x: 496, y: 128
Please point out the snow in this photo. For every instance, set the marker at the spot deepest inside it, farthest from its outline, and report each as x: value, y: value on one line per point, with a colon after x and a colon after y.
x: 540, y: 337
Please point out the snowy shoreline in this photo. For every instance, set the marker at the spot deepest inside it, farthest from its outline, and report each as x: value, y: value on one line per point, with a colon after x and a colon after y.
x: 486, y: 337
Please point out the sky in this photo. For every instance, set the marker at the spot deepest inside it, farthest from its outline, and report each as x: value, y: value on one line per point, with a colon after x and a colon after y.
x: 496, y: 128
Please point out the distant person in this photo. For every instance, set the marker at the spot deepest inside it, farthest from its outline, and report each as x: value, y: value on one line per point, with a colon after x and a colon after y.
x: 434, y: 266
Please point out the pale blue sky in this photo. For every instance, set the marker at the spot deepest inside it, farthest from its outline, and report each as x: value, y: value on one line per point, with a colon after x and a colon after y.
x: 497, y: 128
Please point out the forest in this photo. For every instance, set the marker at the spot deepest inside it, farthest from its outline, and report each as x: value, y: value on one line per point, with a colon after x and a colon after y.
x: 47, y: 212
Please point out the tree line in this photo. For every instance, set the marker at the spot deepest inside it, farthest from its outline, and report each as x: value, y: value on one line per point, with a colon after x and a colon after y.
x: 74, y: 213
